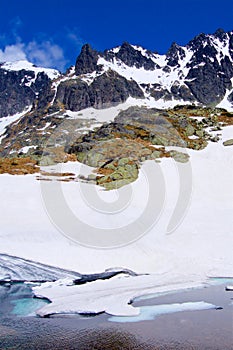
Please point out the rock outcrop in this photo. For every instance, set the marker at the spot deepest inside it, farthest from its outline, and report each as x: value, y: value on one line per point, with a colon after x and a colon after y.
x: 106, y: 90
x: 15, y: 95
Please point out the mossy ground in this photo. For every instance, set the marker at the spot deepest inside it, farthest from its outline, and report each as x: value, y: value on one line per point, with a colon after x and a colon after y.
x: 116, y: 149
x: 18, y: 166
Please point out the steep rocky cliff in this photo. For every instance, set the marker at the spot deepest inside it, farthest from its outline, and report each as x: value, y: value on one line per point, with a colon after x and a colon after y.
x: 200, y: 72
x: 35, y: 101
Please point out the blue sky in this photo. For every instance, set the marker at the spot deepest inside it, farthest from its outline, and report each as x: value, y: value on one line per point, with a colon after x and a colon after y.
x: 51, y: 32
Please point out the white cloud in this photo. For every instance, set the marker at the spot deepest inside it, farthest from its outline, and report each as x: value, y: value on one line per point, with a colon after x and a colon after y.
x: 75, y: 38
x: 45, y: 54
x: 13, y: 53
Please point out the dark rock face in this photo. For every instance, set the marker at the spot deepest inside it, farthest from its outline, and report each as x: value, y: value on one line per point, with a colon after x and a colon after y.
x: 111, y: 88
x: 17, y: 92
x: 226, y: 68
x: 230, y: 97
x: 43, y: 87
x: 206, y: 86
x: 231, y: 46
x: 220, y: 33
x: 197, y: 41
x: 182, y: 92
x: 160, y: 92
x: 132, y: 57
x: 174, y: 54
x: 15, y: 95
x: 73, y: 94
x: 106, y: 90
x: 86, y: 61
x: 210, y: 71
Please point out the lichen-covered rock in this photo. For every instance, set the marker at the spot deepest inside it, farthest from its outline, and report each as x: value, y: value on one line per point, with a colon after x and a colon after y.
x: 179, y: 156
x: 199, y: 133
x: 189, y: 130
x: 228, y: 142
x: 122, y: 172
x: 156, y: 154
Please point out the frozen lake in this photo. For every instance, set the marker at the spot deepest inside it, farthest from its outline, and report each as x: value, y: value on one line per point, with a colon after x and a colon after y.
x: 199, y: 329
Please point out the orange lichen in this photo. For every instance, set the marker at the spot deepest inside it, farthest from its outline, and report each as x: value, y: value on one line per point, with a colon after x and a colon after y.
x: 18, y: 166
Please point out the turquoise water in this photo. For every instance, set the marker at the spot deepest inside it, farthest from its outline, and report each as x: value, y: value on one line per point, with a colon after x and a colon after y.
x: 17, y: 299
x: 220, y: 280
x: 27, y: 306
x: 148, y: 313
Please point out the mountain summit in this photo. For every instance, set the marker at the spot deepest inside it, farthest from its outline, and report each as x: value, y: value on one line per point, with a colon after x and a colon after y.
x: 200, y: 72
x: 34, y: 101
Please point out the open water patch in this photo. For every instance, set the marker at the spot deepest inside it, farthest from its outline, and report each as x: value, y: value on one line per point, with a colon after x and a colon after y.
x: 17, y: 298
x: 148, y: 313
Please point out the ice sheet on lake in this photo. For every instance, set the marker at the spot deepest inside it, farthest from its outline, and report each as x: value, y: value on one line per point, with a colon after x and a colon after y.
x: 112, y: 296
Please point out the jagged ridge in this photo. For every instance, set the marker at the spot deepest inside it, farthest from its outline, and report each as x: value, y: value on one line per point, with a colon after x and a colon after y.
x: 200, y: 72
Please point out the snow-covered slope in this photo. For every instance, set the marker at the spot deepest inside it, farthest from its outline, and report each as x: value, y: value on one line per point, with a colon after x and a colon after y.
x: 145, y: 76
x: 28, y: 66
x: 199, y: 247
x: 6, y: 121
x: 17, y: 269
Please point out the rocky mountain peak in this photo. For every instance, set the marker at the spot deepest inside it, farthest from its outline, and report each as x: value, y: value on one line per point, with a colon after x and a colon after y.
x: 174, y: 54
x: 198, y: 41
x: 87, y: 60
x: 221, y: 34
x: 133, y: 56
x: 200, y: 72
